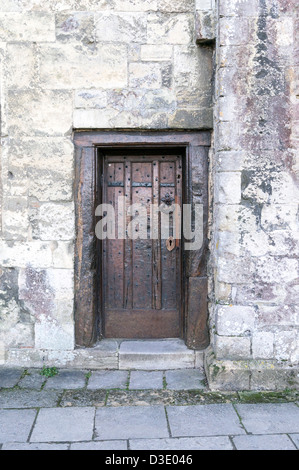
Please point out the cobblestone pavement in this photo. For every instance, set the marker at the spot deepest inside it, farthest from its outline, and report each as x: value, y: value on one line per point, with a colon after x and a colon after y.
x: 140, y: 410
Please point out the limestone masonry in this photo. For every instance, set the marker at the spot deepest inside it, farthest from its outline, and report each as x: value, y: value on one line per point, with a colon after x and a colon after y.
x: 230, y: 66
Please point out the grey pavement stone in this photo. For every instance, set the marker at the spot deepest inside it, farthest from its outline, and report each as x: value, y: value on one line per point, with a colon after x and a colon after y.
x: 9, y: 377
x: 270, y: 418
x: 108, y: 380
x: 192, y: 443
x: 204, y: 420
x: 15, y: 425
x: 295, y: 439
x: 155, y: 355
x: 29, y: 398
x: 33, y: 380
x: 131, y: 422
x: 265, y: 442
x: 67, y: 380
x: 64, y: 425
x: 100, y: 445
x: 191, y: 379
x: 146, y: 380
x: 35, y: 446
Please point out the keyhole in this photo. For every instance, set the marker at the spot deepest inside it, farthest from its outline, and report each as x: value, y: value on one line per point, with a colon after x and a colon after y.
x: 170, y: 244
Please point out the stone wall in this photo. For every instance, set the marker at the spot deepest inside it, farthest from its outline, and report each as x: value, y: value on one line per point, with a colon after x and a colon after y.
x: 65, y: 65
x: 255, y: 233
x: 148, y: 64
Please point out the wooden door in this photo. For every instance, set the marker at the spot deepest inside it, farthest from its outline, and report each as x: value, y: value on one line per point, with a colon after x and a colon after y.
x: 142, y: 278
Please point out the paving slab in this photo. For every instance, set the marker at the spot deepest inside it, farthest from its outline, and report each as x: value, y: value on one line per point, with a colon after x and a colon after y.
x: 32, y: 380
x: 270, y: 418
x: 186, y: 379
x: 204, y: 420
x: 9, y: 377
x: 108, y: 380
x: 15, y: 425
x: 37, y: 446
x: 67, y: 380
x: 295, y: 439
x: 100, y: 445
x: 192, y: 443
x: 29, y: 398
x: 131, y: 422
x: 155, y: 355
x: 64, y: 425
x: 146, y: 380
x: 264, y: 442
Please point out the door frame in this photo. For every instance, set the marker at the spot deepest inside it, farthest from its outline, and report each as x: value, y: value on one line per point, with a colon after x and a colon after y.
x: 195, y: 282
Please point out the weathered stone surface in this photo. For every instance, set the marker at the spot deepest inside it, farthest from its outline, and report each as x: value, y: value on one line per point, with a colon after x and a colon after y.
x: 235, y: 320
x: 70, y: 66
x: 270, y: 418
x: 13, y: 399
x: 15, y: 425
x: 211, y: 420
x: 151, y: 355
x: 169, y: 30
x: 57, y: 425
x: 131, y: 423
x: 199, y: 443
x: 36, y: 26
x: 270, y: 442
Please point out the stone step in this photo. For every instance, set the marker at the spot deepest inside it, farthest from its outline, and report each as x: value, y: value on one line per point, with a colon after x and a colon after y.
x: 156, y: 355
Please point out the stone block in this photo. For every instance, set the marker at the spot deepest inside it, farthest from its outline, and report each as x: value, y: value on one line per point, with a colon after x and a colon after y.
x: 228, y: 188
x: 36, y: 26
x: 91, y: 99
x: 76, y: 26
x: 135, y: 5
x: 176, y: 6
x: 204, y: 5
x: 155, y: 355
x: 153, y: 53
x: 69, y: 66
x: 235, y: 320
x: 121, y: 27
x: 145, y: 75
x: 205, y: 26
x: 56, y: 222
x: 240, y: 8
x: 15, y: 218
x: 232, y: 348
x: 17, y: 254
x: 19, y: 66
x: 39, y: 113
x: 166, y: 29
x: 263, y: 345
x: 287, y: 346
x: 94, y: 118
x: 51, y: 335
